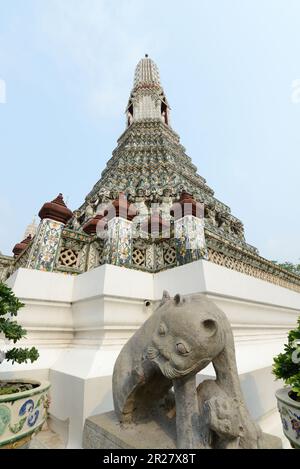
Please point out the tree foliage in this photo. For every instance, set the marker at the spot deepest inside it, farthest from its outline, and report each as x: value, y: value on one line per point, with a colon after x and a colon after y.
x: 11, y: 330
x: 293, y: 268
x: 287, y: 365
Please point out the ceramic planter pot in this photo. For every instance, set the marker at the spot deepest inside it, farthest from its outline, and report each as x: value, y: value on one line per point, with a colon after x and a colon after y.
x: 290, y: 416
x: 22, y: 414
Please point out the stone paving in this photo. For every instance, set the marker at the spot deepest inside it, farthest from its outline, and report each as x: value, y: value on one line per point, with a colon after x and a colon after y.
x: 46, y: 439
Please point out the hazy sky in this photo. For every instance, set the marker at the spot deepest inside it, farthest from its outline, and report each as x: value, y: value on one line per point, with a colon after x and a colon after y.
x: 228, y: 68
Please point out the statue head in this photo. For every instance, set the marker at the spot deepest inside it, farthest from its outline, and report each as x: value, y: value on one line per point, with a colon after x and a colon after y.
x: 189, y: 335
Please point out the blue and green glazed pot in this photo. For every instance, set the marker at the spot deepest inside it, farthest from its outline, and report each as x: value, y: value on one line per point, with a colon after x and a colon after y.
x: 22, y: 414
x: 290, y: 416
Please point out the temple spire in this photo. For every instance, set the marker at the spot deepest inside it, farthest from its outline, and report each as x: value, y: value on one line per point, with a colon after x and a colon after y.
x: 147, y: 99
x: 31, y: 229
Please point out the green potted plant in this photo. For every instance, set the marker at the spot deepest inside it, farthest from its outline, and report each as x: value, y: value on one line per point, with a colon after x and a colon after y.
x: 23, y: 403
x: 287, y: 367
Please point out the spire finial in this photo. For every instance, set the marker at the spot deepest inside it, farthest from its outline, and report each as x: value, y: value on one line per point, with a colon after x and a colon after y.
x: 146, y: 72
x: 142, y: 104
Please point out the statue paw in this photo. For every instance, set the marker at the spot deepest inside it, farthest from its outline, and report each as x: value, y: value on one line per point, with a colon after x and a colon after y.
x: 222, y: 417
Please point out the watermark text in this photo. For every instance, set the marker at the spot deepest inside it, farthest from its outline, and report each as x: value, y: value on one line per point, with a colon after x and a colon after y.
x: 2, y: 91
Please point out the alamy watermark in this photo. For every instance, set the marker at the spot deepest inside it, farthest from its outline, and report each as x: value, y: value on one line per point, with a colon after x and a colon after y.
x: 295, y: 95
x: 2, y: 91
x: 155, y: 221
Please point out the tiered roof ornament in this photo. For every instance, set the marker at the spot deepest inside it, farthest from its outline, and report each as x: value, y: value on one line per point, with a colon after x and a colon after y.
x: 56, y: 210
x: 20, y: 247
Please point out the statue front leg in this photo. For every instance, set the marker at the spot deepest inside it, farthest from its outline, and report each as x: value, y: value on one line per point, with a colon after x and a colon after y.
x: 187, y: 414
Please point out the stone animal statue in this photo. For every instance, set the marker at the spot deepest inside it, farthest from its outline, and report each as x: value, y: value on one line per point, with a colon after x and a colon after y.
x: 181, y: 338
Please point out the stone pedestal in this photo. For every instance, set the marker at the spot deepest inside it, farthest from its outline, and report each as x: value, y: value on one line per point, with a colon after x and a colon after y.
x: 105, y: 432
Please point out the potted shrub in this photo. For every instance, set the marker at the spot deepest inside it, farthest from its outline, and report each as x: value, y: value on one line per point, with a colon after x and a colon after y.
x: 23, y: 403
x: 287, y: 367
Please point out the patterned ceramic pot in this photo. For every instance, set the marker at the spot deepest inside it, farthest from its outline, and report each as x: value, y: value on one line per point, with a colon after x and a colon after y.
x: 22, y: 414
x: 290, y: 416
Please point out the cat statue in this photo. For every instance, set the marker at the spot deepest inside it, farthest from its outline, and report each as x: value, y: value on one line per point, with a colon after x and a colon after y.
x: 181, y: 338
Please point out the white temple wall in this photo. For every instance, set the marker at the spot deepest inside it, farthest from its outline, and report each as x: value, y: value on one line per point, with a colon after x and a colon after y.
x: 80, y: 323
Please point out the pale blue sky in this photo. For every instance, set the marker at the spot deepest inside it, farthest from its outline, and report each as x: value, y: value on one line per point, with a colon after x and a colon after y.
x: 227, y: 67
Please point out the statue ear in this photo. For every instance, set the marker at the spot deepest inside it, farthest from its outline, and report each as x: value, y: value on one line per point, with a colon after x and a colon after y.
x: 179, y: 299
x: 210, y: 327
x: 166, y: 297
